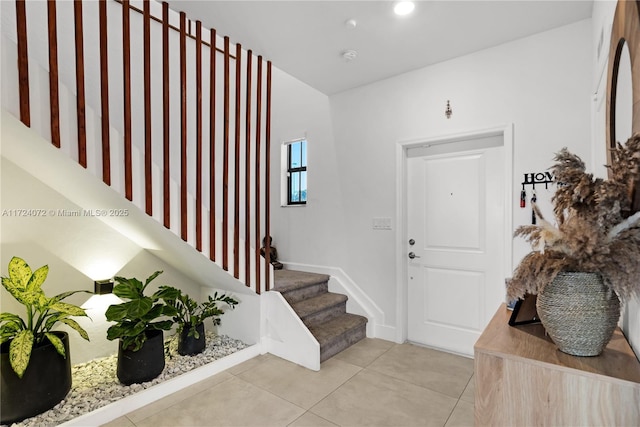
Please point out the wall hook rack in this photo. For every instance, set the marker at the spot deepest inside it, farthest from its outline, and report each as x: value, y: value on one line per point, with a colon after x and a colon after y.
x: 539, y: 178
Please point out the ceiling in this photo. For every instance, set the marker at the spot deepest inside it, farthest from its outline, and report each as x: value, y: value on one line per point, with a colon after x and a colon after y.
x: 306, y: 38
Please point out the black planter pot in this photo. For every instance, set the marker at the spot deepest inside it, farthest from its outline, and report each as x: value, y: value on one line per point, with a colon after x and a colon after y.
x: 188, y: 346
x: 142, y: 365
x: 46, y: 381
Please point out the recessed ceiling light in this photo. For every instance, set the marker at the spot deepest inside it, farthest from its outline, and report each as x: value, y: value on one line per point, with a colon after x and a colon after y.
x: 404, y: 8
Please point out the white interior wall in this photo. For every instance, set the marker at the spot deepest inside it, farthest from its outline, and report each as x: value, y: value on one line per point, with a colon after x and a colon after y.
x: 541, y: 84
x: 314, y: 233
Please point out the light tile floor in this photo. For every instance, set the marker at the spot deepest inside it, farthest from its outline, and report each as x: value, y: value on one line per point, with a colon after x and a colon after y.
x: 373, y: 383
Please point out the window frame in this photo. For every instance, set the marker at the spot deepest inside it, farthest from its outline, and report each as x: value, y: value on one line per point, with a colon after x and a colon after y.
x: 290, y: 170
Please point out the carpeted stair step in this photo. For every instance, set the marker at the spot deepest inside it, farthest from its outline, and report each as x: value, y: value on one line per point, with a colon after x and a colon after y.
x: 298, y: 285
x: 323, y: 312
x: 320, y: 308
x: 339, y: 333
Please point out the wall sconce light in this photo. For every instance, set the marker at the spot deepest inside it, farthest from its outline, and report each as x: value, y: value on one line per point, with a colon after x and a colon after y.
x: 103, y: 287
x: 448, y: 112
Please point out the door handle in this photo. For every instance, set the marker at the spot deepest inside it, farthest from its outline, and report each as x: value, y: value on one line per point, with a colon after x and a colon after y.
x: 412, y: 255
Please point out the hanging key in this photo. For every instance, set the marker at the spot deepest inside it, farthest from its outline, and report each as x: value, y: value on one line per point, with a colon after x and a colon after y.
x: 533, y: 209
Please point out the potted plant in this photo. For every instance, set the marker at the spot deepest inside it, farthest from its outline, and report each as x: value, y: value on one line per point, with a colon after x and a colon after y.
x: 581, y: 266
x: 190, y: 317
x: 35, y: 364
x: 139, y: 325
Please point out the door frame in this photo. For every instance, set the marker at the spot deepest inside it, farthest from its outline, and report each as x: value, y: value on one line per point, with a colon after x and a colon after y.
x: 402, y: 147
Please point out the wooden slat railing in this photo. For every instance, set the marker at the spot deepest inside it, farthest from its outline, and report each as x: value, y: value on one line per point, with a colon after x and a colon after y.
x: 126, y: 75
x: 267, y: 174
x: 54, y: 98
x: 212, y: 152
x: 198, y: 135
x: 236, y: 169
x: 257, y: 168
x: 166, y: 155
x: 183, y: 126
x: 225, y: 160
x: 247, y: 167
x: 148, y: 187
x: 80, y: 93
x: 23, y: 63
x: 104, y: 95
x: 245, y: 157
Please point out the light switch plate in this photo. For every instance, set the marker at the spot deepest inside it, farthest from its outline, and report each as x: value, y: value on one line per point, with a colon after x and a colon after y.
x: 382, y: 223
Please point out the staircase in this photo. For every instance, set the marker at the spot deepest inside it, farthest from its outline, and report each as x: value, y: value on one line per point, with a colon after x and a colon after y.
x: 323, y: 312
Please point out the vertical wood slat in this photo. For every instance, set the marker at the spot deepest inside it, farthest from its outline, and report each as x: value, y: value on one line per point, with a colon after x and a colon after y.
x: 80, y: 94
x: 225, y: 160
x: 183, y: 126
x: 199, y: 136
x: 23, y: 63
x: 247, y: 179
x: 258, y: 218
x: 104, y: 94
x: 212, y: 148
x: 267, y: 198
x: 54, y: 96
x: 146, y: 36
x: 236, y: 170
x: 166, y: 189
x: 126, y: 76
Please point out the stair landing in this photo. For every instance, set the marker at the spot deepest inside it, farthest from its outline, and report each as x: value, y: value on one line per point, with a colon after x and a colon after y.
x: 323, y: 312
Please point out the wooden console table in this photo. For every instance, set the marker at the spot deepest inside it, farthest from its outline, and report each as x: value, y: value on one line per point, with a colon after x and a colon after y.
x: 522, y: 379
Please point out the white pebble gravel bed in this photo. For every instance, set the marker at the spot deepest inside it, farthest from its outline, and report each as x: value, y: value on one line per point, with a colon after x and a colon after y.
x: 95, y: 383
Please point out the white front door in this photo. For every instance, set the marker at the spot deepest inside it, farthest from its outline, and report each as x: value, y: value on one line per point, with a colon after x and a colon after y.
x: 455, y: 209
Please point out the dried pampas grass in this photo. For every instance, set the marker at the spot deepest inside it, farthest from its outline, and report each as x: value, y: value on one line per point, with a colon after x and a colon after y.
x: 594, y: 232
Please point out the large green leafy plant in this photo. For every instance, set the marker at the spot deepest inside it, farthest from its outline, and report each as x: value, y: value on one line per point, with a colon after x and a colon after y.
x: 42, y: 314
x: 140, y: 314
x: 191, y: 313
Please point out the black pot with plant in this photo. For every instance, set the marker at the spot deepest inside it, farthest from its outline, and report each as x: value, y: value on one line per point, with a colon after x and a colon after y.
x: 139, y: 325
x: 35, y: 362
x: 190, y: 317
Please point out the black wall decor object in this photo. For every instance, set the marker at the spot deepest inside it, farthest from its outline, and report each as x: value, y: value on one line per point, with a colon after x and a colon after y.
x: 533, y: 178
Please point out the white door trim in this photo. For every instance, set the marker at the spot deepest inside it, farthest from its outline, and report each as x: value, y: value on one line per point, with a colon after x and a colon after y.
x: 506, y: 131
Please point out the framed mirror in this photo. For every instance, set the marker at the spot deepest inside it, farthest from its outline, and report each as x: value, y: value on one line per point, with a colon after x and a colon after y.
x: 623, y: 81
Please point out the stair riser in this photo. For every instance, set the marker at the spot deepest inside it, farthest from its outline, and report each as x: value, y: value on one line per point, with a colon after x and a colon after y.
x: 307, y: 292
x: 342, y: 342
x: 325, y: 314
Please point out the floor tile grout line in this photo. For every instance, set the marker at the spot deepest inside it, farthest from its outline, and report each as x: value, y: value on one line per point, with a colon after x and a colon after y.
x: 305, y: 409
x: 181, y: 400
x: 451, y: 413
x: 414, y: 384
x: 308, y: 411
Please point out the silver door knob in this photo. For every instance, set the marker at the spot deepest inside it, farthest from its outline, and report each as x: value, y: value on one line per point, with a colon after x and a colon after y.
x: 412, y: 255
